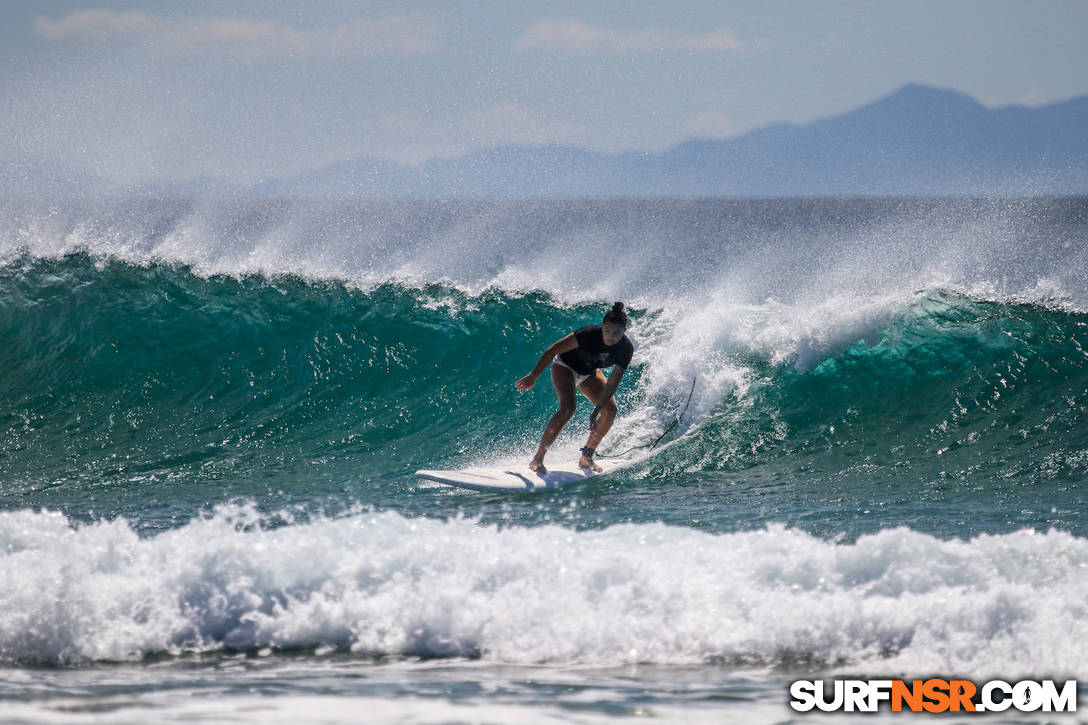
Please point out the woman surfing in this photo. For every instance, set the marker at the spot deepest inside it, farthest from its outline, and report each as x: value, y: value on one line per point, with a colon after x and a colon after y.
x: 576, y: 361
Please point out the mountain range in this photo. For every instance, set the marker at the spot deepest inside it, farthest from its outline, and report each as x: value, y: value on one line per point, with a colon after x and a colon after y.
x: 918, y: 141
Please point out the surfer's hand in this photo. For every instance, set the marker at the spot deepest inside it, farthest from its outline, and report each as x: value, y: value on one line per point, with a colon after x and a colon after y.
x: 593, y: 421
x: 526, y: 383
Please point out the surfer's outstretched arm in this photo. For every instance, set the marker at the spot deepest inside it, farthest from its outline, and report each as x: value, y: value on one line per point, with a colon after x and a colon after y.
x: 558, y: 347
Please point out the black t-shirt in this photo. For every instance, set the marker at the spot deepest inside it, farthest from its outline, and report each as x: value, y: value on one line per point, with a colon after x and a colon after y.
x: 592, y: 353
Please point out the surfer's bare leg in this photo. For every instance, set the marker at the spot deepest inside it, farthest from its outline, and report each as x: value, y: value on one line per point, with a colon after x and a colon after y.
x: 563, y: 382
x: 593, y: 388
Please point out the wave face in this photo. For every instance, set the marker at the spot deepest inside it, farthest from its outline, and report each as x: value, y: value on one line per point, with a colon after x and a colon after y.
x: 948, y: 398
x: 121, y: 380
x: 147, y: 376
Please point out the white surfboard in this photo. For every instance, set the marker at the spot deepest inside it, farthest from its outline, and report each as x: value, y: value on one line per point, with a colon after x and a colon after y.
x: 511, y: 478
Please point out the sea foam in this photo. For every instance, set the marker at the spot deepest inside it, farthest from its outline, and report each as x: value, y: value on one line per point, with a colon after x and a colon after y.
x: 381, y: 584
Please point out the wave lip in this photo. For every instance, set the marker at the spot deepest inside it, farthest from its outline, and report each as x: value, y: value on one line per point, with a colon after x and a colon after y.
x: 380, y: 584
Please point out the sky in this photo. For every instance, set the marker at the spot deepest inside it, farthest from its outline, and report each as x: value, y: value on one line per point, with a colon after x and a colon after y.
x: 149, y: 91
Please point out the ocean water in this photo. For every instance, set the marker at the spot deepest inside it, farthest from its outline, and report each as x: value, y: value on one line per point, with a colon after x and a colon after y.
x: 211, y: 412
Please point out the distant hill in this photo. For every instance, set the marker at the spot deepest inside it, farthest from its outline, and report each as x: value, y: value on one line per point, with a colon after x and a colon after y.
x: 917, y: 141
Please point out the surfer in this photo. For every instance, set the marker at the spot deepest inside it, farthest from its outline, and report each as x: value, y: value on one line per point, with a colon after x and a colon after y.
x: 576, y: 361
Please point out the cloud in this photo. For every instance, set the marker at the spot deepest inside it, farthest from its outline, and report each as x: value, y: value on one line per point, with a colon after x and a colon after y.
x: 411, y: 34
x: 1034, y: 97
x: 95, y: 24
x: 412, y: 139
x: 512, y: 122
x: 711, y: 124
x: 576, y: 36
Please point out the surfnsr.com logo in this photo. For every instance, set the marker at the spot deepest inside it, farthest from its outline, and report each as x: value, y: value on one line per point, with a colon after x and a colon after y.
x: 933, y: 695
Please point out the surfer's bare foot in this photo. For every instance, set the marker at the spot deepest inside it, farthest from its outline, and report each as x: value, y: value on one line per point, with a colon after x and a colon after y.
x: 537, y: 466
x: 587, y: 463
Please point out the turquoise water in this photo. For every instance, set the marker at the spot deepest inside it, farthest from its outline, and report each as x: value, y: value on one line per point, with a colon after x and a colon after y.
x: 211, y: 414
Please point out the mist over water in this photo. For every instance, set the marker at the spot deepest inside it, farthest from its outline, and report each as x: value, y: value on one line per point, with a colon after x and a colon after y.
x: 648, y: 251
x: 211, y: 413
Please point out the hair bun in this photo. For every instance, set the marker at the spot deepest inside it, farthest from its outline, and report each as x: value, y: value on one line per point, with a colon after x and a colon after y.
x: 617, y: 314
